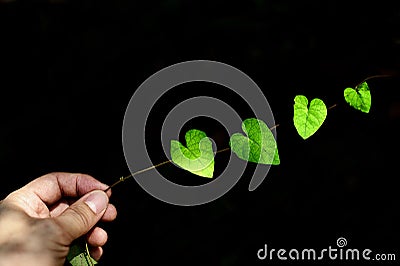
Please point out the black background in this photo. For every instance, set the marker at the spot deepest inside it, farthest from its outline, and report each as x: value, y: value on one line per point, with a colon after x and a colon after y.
x: 69, y: 69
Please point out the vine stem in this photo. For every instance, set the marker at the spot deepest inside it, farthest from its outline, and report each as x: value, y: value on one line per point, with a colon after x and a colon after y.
x: 372, y: 77
x: 333, y: 106
x: 123, y: 178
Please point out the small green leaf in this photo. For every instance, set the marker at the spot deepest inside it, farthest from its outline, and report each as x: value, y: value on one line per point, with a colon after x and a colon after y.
x: 197, y: 157
x: 359, y: 98
x: 308, y: 120
x: 259, y: 146
x: 79, y: 254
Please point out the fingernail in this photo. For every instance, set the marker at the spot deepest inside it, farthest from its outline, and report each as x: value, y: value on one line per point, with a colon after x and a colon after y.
x: 97, y: 201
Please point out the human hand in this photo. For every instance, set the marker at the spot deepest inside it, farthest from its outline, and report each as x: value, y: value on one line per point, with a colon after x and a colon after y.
x: 39, y: 221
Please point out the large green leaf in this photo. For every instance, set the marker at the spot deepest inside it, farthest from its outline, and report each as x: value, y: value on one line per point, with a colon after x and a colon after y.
x: 259, y: 146
x: 308, y: 120
x: 197, y: 157
x: 359, y: 98
x: 79, y: 254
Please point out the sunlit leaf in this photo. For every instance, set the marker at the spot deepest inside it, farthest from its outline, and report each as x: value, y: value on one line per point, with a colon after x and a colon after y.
x: 197, y: 157
x: 307, y: 120
x: 259, y: 146
x: 79, y: 254
x: 359, y: 98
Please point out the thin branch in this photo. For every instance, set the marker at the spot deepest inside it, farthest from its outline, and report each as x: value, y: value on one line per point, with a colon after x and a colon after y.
x: 333, y: 106
x: 226, y: 149
x: 273, y: 127
x: 372, y: 77
x: 122, y: 179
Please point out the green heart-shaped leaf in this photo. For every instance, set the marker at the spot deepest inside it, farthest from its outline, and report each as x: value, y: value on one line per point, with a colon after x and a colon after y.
x: 78, y: 254
x: 197, y: 157
x: 260, y: 145
x: 359, y: 98
x: 308, y: 120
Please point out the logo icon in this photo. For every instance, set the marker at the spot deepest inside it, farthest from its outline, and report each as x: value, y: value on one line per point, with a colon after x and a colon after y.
x: 152, y: 89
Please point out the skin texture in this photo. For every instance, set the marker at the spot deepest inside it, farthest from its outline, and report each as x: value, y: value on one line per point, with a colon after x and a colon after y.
x: 39, y: 221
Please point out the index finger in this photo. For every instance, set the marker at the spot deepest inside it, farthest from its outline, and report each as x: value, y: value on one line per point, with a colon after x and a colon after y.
x: 50, y: 188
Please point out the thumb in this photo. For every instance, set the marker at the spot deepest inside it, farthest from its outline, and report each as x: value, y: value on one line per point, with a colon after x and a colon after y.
x: 81, y: 216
